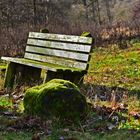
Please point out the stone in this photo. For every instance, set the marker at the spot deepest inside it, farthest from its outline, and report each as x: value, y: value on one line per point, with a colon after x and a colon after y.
x: 58, y: 98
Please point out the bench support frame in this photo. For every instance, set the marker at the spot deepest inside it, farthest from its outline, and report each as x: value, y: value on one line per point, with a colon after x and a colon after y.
x: 75, y: 77
x: 17, y: 73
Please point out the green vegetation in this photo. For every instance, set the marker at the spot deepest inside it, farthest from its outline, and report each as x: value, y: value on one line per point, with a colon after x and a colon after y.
x: 107, y: 119
x: 2, y: 73
x: 115, y: 135
x: 15, y: 136
x: 115, y: 67
x: 5, y: 104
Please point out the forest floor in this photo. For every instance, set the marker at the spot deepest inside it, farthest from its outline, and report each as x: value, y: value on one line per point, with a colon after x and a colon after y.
x: 112, y: 89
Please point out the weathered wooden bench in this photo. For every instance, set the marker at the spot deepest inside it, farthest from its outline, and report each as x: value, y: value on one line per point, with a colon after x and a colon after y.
x: 62, y: 56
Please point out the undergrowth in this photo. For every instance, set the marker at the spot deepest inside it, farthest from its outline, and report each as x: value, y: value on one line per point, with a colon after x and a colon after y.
x: 114, y: 113
x: 115, y: 67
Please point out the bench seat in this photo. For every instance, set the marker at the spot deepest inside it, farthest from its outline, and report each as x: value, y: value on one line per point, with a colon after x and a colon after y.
x: 42, y: 65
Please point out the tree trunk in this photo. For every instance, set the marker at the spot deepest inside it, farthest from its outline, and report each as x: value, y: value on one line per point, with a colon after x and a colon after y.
x: 98, y: 12
x: 108, y: 10
x: 34, y: 12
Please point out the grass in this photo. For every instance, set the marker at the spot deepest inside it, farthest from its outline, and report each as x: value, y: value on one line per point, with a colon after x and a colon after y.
x: 110, y: 67
x: 115, y: 135
x: 115, y: 67
x: 15, y: 136
x: 5, y: 102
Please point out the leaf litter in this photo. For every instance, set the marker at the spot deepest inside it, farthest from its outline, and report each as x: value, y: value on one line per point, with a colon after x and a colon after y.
x: 106, y: 113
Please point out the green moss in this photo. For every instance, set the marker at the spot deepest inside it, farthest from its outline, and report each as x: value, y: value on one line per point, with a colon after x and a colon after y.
x: 2, y: 70
x: 58, y: 98
x: 2, y: 67
x: 86, y: 34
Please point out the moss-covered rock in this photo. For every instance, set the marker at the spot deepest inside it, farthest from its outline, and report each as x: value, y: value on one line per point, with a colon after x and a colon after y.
x: 59, y: 98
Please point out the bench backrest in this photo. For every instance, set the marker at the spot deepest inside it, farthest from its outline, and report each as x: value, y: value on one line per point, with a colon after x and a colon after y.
x: 64, y: 50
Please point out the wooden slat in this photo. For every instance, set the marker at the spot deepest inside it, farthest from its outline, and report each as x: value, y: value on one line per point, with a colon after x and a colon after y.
x: 59, y: 53
x: 54, y: 60
x: 60, y: 45
x: 59, y: 37
x: 22, y: 61
x: 37, y: 64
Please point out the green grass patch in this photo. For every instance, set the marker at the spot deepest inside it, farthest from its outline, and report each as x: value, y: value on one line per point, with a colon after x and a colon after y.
x: 5, y: 103
x: 115, y: 135
x: 115, y: 67
x: 15, y: 136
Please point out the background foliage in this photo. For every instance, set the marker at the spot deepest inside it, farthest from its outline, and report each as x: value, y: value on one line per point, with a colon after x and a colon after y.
x: 109, y: 21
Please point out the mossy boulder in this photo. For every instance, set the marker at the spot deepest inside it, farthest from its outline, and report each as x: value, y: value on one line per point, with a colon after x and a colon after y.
x: 59, y: 98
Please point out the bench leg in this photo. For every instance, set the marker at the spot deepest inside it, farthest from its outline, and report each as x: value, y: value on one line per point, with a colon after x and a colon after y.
x: 27, y: 74
x: 19, y: 74
x: 52, y: 75
x: 10, y: 75
x: 75, y: 77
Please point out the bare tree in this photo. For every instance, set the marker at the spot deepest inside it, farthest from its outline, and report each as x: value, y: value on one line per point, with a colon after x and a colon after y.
x: 98, y: 12
x: 34, y: 12
x: 86, y: 11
